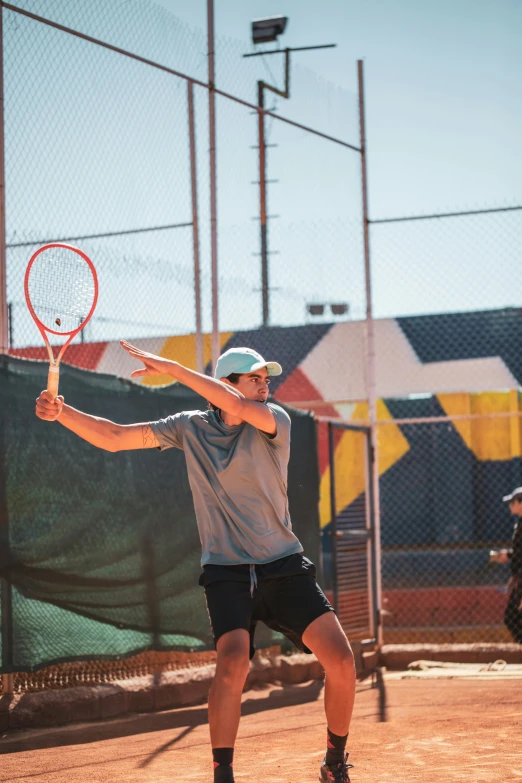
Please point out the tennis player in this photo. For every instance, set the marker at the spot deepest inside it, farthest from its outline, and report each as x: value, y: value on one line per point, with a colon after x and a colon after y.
x: 253, y: 567
x: 513, y: 612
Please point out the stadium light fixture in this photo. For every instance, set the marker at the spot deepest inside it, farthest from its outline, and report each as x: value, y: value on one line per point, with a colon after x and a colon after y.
x: 268, y: 29
x: 263, y: 31
x: 337, y: 308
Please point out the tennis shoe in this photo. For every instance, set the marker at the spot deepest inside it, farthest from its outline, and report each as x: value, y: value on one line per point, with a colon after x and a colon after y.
x: 338, y: 773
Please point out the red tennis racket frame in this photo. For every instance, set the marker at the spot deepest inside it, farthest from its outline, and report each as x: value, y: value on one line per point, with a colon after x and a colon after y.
x: 54, y: 363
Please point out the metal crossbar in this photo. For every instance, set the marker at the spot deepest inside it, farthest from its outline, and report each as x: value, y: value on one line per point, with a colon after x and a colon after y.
x: 173, y: 72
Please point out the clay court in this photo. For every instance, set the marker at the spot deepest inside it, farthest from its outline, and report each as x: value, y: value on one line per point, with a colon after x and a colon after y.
x: 285, y: 251
x: 437, y: 730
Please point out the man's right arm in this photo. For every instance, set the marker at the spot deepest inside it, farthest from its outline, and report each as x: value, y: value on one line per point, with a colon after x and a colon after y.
x: 99, y: 432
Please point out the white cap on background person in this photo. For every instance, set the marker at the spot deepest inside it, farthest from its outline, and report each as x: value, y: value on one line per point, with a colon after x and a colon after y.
x: 515, y: 495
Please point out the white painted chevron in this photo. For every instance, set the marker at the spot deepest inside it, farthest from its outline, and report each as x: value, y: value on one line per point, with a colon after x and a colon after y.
x: 336, y: 366
x: 116, y: 361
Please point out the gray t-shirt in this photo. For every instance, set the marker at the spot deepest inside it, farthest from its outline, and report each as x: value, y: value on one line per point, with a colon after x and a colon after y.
x: 238, y: 476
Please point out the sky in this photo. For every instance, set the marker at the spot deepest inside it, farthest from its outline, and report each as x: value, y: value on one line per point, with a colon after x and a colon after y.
x: 108, y: 138
x: 443, y: 89
x: 443, y: 130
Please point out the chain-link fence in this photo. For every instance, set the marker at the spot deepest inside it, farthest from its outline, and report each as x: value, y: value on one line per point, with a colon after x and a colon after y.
x: 98, y: 153
x: 441, y: 514
x: 466, y: 260
x: 347, y: 517
x: 448, y: 375
x: 451, y: 352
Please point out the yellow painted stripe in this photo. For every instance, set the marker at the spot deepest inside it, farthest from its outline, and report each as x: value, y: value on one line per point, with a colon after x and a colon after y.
x: 489, y: 439
x: 350, y: 460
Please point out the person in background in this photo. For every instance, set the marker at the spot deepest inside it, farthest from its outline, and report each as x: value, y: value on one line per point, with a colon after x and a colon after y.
x: 513, y: 613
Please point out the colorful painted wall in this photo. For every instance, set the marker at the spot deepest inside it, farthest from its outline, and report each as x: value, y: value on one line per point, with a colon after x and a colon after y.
x: 441, y: 509
x: 441, y: 484
x: 454, y: 352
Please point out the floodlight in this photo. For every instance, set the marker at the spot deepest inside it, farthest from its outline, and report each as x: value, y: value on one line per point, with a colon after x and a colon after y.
x: 315, y: 309
x: 339, y: 309
x: 268, y: 29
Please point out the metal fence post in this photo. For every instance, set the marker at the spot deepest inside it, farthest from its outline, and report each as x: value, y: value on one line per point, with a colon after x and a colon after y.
x: 200, y: 365
x: 333, y: 512
x: 7, y: 637
x: 370, y: 354
x: 216, y: 343
x: 374, y: 605
x: 10, y: 324
x: 352, y: 537
x: 6, y: 590
x: 4, y: 327
x: 5, y: 586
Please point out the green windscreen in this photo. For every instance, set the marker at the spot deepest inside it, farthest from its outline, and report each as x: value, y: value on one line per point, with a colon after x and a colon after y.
x: 99, y: 552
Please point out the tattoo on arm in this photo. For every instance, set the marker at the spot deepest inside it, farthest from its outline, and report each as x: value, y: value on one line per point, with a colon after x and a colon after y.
x: 148, y: 437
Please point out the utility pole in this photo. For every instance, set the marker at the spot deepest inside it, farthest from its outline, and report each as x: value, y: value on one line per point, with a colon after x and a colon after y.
x: 263, y: 220
x: 262, y: 202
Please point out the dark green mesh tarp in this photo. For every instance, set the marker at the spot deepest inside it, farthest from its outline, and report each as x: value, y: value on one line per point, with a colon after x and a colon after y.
x: 100, y: 552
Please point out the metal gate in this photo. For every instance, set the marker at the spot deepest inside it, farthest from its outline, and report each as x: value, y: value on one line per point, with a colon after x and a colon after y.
x: 354, y: 566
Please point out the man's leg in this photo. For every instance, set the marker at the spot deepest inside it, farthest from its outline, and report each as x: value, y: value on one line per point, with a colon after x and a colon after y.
x: 513, y: 615
x: 325, y: 637
x: 224, y: 699
x: 327, y: 640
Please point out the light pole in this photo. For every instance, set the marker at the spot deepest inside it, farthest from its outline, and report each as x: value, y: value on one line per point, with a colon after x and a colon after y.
x: 264, y: 31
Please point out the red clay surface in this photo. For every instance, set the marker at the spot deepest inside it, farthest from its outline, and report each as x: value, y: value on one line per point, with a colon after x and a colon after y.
x: 437, y: 731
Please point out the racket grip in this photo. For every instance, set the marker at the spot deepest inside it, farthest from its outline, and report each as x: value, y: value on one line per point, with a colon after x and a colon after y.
x: 53, y: 379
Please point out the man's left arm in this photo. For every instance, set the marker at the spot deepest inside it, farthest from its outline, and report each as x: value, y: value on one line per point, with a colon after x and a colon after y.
x: 222, y: 395
x: 258, y: 415
x: 280, y: 433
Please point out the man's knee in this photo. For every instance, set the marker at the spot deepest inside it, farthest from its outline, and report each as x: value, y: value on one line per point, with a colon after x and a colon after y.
x: 233, y: 661
x: 340, y: 662
x: 325, y: 637
x: 232, y: 667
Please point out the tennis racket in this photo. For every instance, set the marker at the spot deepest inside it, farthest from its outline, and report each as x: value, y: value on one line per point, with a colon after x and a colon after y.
x: 61, y: 290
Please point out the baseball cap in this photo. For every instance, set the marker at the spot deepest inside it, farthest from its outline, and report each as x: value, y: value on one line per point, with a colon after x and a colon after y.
x: 242, y: 360
x: 517, y: 493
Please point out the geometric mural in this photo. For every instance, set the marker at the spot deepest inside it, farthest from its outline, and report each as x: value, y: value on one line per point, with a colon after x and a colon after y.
x: 434, y: 354
x: 441, y: 485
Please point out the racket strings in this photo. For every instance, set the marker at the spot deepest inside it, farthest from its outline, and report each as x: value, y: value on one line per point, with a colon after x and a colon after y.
x: 61, y: 289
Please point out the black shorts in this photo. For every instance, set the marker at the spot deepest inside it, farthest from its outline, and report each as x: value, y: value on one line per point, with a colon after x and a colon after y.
x: 286, y: 598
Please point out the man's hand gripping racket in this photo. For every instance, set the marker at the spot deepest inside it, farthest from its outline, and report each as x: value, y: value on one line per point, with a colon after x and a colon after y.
x: 61, y: 290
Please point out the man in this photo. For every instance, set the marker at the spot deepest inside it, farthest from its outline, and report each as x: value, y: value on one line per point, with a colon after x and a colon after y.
x: 237, y: 458
x: 513, y: 613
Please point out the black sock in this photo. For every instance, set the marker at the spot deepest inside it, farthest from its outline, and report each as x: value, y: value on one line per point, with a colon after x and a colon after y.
x: 223, y: 759
x: 335, y: 748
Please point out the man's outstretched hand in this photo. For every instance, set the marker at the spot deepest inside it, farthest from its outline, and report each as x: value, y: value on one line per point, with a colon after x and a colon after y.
x: 154, y: 365
x: 48, y: 408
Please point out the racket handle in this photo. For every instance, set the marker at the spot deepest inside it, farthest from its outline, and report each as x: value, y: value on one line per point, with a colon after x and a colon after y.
x: 53, y: 379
